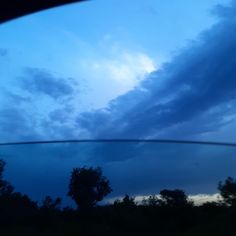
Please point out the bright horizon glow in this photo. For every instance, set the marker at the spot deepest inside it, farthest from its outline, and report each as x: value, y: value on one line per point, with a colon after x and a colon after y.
x: 198, y: 199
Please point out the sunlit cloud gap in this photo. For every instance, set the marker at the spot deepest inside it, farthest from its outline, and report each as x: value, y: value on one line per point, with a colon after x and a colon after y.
x: 198, y: 199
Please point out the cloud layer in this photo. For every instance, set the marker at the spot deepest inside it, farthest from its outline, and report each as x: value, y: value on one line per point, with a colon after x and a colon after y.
x: 192, y: 95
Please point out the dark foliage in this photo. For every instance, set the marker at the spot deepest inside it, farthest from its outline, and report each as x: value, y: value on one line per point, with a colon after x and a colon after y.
x: 88, y: 186
x: 126, y: 202
x: 174, y: 198
x: 228, y: 191
x: 50, y: 204
x: 5, y: 187
x: 170, y: 213
x: 152, y: 201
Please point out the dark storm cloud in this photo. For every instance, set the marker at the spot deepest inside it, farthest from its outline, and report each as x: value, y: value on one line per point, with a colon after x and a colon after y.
x: 61, y: 115
x: 94, y: 121
x: 16, y: 124
x: 40, y: 81
x: 185, y: 91
x: 194, y: 168
x: 192, y: 95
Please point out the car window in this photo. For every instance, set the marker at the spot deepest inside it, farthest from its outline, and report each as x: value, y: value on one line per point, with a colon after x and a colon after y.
x: 120, y: 85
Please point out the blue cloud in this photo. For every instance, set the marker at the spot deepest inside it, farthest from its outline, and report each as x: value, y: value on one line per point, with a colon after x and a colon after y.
x: 61, y: 115
x: 197, y: 85
x: 41, y: 81
x: 17, y: 124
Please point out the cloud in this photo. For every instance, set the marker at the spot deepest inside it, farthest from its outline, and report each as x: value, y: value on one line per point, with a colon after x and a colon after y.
x: 191, y: 97
x: 61, y: 115
x: 200, y: 199
x: 129, y: 69
x: 182, y: 94
x: 38, y: 105
x: 17, y: 124
x: 120, y: 71
x: 41, y: 81
x: 225, y: 12
x: 3, y: 52
x: 15, y: 98
x: 136, y: 167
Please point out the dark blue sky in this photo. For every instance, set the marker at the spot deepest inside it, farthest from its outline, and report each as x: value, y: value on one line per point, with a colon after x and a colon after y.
x: 154, y: 70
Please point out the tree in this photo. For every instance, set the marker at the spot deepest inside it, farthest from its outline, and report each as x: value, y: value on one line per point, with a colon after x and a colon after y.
x: 127, y: 202
x: 5, y: 187
x: 50, y: 204
x: 13, y: 202
x: 228, y: 191
x: 174, y: 198
x: 88, y: 186
x: 151, y: 201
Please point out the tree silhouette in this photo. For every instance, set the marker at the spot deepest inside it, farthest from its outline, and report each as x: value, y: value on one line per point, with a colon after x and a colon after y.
x: 88, y: 186
x: 151, y: 201
x: 228, y: 191
x: 5, y: 187
x: 127, y: 201
x: 50, y: 204
x: 174, y: 198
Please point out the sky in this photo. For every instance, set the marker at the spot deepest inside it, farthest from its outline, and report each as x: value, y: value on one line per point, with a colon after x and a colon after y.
x: 115, y: 69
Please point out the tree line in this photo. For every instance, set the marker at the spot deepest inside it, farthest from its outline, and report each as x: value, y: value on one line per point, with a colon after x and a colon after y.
x: 169, y: 213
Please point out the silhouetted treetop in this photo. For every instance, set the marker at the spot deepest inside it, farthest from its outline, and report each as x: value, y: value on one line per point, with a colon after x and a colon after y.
x: 50, y: 204
x: 228, y: 191
x: 88, y: 186
x: 152, y: 201
x: 174, y: 198
x: 127, y: 201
